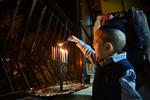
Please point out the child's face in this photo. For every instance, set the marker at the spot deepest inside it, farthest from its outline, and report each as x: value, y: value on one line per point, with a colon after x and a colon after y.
x: 99, y: 46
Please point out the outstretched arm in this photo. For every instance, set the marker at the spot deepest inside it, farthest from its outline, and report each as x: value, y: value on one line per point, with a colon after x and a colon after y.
x: 85, y: 48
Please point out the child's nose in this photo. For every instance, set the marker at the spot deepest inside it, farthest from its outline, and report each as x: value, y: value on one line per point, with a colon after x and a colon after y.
x: 93, y: 45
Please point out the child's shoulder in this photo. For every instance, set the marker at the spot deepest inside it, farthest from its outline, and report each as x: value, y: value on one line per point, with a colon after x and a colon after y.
x: 125, y: 64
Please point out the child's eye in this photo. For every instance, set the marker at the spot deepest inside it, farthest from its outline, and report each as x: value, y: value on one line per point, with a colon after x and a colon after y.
x: 94, y: 42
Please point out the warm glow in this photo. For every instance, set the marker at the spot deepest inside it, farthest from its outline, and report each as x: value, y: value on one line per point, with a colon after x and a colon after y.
x: 66, y: 51
x: 59, y: 54
x: 62, y: 50
x: 60, y: 44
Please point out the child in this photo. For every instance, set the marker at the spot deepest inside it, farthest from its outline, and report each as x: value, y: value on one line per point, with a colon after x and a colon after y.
x: 114, y: 77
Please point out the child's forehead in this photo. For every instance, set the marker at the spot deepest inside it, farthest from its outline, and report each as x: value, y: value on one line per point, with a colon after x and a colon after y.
x: 99, y: 32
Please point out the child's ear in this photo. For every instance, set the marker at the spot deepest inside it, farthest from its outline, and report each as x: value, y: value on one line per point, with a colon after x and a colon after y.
x: 109, y: 46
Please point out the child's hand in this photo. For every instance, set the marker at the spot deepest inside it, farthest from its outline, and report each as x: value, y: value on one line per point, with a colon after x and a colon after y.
x: 73, y: 39
x: 85, y: 48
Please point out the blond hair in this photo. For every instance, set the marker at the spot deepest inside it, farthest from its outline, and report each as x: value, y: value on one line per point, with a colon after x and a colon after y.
x: 114, y: 36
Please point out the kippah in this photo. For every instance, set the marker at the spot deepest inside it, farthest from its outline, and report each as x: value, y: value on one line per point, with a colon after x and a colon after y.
x: 115, y: 23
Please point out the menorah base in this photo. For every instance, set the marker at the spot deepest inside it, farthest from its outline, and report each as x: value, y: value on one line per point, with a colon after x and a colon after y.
x: 55, y: 90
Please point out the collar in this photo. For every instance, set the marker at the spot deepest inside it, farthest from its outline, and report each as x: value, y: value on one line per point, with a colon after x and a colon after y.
x: 115, y: 58
x: 120, y: 56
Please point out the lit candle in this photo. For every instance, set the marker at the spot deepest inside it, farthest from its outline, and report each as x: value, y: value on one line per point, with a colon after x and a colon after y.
x: 58, y: 53
x: 52, y: 53
x: 66, y: 56
x: 61, y: 54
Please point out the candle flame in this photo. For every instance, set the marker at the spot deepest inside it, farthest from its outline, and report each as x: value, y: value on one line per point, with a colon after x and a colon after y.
x: 61, y: 50
x: 60, y: 44
x: 66, y: 51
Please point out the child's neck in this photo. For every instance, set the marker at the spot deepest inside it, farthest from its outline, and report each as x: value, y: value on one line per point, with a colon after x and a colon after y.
x: 102, y: 62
